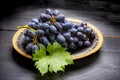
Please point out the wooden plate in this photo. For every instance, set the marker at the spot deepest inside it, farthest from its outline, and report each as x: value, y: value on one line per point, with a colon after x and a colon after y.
x: 96, y: 45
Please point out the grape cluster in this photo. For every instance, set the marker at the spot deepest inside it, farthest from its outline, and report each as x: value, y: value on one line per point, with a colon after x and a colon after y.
x: 52, y: 26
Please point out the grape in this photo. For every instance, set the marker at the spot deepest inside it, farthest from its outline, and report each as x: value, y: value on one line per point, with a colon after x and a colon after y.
x: 60, y: 38
x: 79, y: 35
x: 40, y: 44
x: 72, y: 46
x: 26, y: 40
x: 80, y: 43
x: 58, y: 26
x: 86, y: 43
x: 71, y: 39
x: 45, y: 17
x: 64, y: 44
x: 41, y: 33
x: 92, y: 36
x: 56, y: 12
x: 28, y: 48
x: 53, y: 29
x: 39, y: 25
x: 29, y: 33
x: 60, y: 18
x: 49, y: 11
x: 80, y: 29
x: 75, y: 40
x: 35, y: 20
x: 76, y: 26
x: 32, y: 25
x: 45, y: 41
x: 68, y: 25
x: 83, y: 23
x: 67, y: 35
x: 88, y: 31
x: 34, y: 47
x: 84, y: 37
x: 45, y: 26
x: 52, y: 38
x: 73, y: 31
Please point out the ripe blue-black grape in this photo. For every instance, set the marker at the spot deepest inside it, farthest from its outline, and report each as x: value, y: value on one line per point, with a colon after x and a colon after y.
x: 34, y: 47
x: 45, y: 17
x: 45, y: 41
x: 35, y: 20
x: 83, y: 23
x: 60, y: 38
x: 86, y: 43
x: 44, y: 26
x: 84, y: 37
x: 56, y: 12
x: 80, y: 43
x: 73, y: 31
x: 29, y: 33
x: 49, y: 11
x: 52, y: 38
x: 67, y: 25
x: 40, y: 32
x: 58, y: 26
x: 67, y: 35
x: 80, y: 29
x: 72, y: 46
x: 79, y: 35
x: 60, y: 18
x: 28, y: 48
x: 32, y: 25
x: 26, y: 40
x: 76, y: 26
x: 53, y: 29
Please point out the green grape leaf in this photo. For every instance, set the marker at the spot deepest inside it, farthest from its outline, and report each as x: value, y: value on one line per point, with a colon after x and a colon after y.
x: 56, y: 59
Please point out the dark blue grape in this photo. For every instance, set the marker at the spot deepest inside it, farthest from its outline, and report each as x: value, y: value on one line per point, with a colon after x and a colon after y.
x: 88, y: 31
x: 45, y: 41
x: 68, y: 25
x: 72, y: 46
x: 58, y: 26
x: 92, y: 36
x: 56, y: 12
x: 75, y: 40
x: 79, y: 35
x: 40, y: 33
x: 60, y: 38
x: 32, y: 25
x: 87, y: 43
x: 35, y: 20
x: 84, y: 37
x: 60, y: 18
x: 34, y: 47
x: 64, y: 44
x: 76, y: 26
x: 80, y: 44
x: 29, y: 33
x: 44, y: 17
x: 71, y: 39
x: 52, y: 38
x: 83, y: 23
x: 80, y: 29
x: 28, y: 48
x: 49, y: 11
x: 67, y: 35
x: 44, y: 26
x: 26, y: 40
x: 73, y: 31
x: 53, y: 29
x: 39, y: 44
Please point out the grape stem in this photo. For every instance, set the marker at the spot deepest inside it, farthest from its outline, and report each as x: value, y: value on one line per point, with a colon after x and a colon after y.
x: 26, y: 26
x: 53, y: 19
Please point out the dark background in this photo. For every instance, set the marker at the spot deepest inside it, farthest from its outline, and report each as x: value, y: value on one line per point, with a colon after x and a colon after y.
x: 104, y: 14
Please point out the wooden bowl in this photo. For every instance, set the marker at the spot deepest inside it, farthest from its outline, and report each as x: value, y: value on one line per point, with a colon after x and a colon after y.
x: 95, y: 46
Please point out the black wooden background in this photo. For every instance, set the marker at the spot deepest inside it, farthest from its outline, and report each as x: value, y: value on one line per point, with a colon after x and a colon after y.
x: 104, y: 14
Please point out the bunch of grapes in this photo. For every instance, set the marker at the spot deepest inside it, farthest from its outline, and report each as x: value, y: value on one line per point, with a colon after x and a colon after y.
x: 51, y: 27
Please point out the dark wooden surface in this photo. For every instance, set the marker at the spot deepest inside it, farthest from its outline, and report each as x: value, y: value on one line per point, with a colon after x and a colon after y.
x: 103, y: 65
